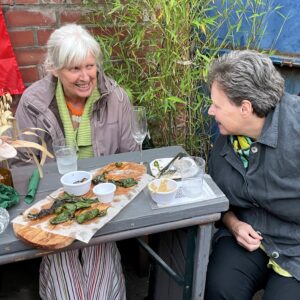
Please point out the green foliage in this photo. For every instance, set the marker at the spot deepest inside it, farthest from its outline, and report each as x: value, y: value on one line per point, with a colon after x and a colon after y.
x: 158, y: 51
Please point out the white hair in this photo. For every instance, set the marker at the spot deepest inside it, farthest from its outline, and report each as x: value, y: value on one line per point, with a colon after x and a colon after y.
x: 70, y: 45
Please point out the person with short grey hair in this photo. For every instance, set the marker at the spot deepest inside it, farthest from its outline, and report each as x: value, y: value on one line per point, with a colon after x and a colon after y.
x: 255, y: 162
x: 77, y: 101
x: 248, y: 75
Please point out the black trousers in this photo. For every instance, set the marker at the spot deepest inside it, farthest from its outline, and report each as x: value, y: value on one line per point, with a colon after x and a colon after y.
x: 237, y: 274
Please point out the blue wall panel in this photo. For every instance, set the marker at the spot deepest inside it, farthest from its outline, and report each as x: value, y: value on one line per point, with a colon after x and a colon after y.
x: 289, y: 39
x: 287, y: 46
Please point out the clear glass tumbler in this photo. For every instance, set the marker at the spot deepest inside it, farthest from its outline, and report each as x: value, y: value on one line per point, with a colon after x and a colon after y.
x: 4, y: 219
x: 192, y: 176
x: 66, y: 156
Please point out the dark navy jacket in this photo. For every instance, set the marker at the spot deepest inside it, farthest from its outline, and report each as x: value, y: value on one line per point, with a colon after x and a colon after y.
x: 267, y: 194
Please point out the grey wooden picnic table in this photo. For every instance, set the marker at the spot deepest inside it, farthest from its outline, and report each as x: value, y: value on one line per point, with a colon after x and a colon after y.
x: 137, y: 219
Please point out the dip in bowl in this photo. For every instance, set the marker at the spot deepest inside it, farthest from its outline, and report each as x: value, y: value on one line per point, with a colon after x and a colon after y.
x: 163, y: 190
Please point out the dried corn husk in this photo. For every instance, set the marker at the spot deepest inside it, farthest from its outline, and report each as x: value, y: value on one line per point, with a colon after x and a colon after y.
x: 6, y: 150
x: 5, y: 112
x: 9, y: 145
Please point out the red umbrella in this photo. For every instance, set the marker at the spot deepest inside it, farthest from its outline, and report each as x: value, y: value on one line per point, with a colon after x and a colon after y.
x: 10, y: 77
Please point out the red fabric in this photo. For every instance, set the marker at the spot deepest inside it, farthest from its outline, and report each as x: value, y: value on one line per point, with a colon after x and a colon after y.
x: 10, y: 77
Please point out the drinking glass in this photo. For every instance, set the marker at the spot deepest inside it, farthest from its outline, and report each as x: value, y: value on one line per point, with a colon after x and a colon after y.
x: 66, y: 156
x: 4, y: 219
x: 139, y: 126
x: 192, y: 173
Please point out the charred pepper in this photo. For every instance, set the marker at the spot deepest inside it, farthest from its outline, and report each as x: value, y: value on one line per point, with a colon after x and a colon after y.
x: 100, y: 178
x: 90, y: 215
x: 86, y: 216
x: 62, y: 217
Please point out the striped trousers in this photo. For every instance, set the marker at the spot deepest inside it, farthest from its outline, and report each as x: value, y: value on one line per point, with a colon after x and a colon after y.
x: 96, y: 275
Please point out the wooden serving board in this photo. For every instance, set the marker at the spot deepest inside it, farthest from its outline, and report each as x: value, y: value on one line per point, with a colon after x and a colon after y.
x: 45, y: 239
x: 40, y: 238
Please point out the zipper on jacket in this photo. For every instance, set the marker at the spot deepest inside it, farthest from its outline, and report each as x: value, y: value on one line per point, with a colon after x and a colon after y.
x: 33, y: 109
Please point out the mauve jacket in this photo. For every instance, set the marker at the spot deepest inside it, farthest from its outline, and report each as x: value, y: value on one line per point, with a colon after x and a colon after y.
x: 267, y: 194
x: 110, y: 122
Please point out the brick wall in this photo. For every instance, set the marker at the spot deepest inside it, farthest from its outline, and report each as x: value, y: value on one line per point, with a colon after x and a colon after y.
x: 29, y: 24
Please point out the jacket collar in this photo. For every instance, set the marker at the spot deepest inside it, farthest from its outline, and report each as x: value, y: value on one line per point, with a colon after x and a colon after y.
x: 47, y: 88
x: 269, y: 134
x: 105, y: 84
x: 43, y: 89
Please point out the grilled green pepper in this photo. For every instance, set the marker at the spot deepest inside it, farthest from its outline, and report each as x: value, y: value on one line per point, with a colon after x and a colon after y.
x: 81, y: 205
x: 86, y: 216
x: 59, y: 209
x: 100, y: 178
x: 58, y: 205
x: 90, y: 215
x: 70, y: 207
x: 62, y: 217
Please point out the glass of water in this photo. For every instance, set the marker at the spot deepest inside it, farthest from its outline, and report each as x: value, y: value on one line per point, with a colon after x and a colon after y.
x: 66, y: 156
x: 192, y: 174
x: 4, y: 219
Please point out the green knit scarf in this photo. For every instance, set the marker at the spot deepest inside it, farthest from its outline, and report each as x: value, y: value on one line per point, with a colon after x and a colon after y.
x: 83, y: 134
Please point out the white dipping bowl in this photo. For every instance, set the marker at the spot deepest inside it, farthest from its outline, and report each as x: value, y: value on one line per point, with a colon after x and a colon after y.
x: 105, y: 191
x: 72, y: 182
x: 163, y: 198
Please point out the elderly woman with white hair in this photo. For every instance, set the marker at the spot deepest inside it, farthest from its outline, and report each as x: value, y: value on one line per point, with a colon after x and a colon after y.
x: 76, y: 100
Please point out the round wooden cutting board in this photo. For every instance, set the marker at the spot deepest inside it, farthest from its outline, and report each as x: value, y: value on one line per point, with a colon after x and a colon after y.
x: 40, y: 238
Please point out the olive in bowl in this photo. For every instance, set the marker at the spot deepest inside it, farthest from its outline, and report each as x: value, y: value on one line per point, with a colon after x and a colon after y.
x: 76, y: 183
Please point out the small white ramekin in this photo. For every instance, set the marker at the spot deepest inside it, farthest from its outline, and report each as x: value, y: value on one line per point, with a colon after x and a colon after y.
x: 105, y: 191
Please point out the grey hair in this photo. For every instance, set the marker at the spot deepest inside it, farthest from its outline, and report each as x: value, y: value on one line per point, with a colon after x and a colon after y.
x: 248, y: 75
x: 70, y: 45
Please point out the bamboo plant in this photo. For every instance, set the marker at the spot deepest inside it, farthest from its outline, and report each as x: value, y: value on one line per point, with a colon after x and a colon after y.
x: 159, y: 51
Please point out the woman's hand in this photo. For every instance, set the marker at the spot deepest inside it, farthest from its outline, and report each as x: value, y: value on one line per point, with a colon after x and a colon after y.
x: 244, y: 233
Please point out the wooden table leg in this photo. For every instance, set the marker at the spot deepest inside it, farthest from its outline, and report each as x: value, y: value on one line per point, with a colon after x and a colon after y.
x: 143, y: 259
x: 202, y: 249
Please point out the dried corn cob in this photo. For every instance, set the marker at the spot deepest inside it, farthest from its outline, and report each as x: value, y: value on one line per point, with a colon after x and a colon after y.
x: 5, y: 109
